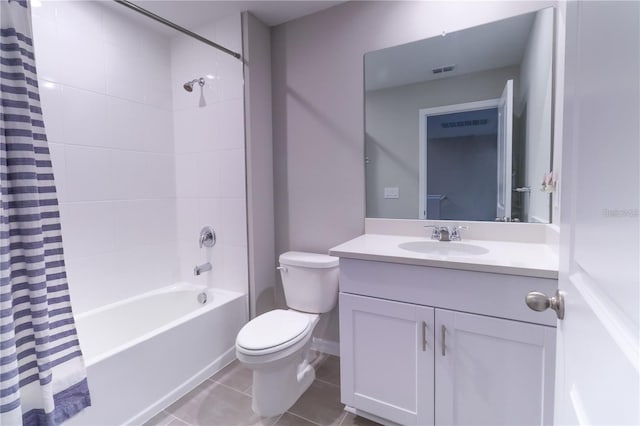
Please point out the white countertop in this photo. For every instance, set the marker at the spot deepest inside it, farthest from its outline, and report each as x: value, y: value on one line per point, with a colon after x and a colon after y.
x: 512, y: 258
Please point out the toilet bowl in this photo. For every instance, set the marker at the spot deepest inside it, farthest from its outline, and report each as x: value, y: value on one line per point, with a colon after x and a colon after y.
x: 276, y: 345
x: 281, y: 370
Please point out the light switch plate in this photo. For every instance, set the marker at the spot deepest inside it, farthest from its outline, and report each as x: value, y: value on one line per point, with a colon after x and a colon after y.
x: 393, y: 192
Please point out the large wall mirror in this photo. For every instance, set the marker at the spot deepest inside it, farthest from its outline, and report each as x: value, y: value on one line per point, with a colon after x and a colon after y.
x: 459, y: 126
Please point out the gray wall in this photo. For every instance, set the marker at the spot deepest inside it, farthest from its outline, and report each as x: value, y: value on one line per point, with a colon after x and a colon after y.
x: 391, y: 138
x: 536, y: 85
x: 318, y: 113
x: 259, y: 152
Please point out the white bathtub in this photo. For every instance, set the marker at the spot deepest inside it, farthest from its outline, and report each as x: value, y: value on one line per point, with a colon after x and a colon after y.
x: 146, y: 352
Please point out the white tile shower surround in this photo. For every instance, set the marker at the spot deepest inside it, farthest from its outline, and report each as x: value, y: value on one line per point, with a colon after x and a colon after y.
x: 210, y: 177
x: 139, y: 166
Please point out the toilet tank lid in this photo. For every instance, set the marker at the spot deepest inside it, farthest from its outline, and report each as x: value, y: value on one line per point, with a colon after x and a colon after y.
x: 308, y: 260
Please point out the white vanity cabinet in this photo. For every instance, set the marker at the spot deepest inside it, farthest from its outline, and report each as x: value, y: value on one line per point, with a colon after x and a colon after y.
x: 493, y: 371
x: 422, y: 345
x: 386, y: 358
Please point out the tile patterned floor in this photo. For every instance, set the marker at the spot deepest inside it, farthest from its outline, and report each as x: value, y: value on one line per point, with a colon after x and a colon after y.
x: 225, y: 400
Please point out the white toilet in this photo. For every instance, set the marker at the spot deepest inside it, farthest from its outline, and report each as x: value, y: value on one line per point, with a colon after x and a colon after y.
x: 275, y: 345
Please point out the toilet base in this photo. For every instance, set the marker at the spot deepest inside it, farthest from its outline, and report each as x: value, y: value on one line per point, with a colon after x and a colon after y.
x: 281, y: 377
x: 275, y: 391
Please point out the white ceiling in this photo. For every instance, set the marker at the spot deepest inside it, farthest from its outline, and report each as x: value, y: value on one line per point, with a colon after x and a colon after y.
x: 495, y: 45
x: 191, y: 14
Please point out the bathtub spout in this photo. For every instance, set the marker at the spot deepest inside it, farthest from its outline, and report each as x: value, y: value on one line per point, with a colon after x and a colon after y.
x: 201, y: 268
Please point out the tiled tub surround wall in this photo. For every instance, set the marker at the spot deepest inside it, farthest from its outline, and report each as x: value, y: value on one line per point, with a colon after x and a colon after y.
x: 210, y: 155
x: 105, y: 88
x: 133, y: 197
x: 140, y: 168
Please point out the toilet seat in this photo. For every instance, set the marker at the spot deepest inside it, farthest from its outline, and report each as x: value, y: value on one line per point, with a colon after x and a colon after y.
x: 272, y: 332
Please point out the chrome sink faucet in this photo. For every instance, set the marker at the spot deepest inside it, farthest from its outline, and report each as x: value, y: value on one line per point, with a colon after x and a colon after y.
x: 444, y: 233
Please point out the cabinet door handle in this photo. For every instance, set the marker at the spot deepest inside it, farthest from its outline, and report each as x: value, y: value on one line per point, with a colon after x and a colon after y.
x: 444, y: 332
x: 424, y: 336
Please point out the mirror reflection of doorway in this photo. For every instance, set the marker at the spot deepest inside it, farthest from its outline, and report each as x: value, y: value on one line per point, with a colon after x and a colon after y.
x: 461, y: 165
x: 465, y: 160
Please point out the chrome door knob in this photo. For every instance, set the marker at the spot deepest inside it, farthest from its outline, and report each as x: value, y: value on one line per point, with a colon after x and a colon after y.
x: 540, y: 302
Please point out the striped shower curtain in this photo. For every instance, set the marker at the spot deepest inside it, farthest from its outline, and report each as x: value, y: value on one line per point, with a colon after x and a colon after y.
x: 42, y: 374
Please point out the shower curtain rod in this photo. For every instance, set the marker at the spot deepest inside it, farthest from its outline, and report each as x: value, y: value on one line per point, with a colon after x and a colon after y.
x: 177, y: 27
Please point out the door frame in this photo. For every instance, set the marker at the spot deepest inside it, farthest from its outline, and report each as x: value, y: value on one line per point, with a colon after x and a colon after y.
x: 423, y: 114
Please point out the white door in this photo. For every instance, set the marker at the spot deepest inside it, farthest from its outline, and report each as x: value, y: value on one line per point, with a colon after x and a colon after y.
x: 492, y: 371
x: 505, y: 132
x: 386, y: 351
x: 598, y: 357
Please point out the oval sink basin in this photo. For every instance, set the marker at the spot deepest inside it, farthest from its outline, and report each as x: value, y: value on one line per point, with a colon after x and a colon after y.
x: 443, y: 248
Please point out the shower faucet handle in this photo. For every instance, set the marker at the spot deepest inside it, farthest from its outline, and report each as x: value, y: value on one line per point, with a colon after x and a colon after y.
x: 207, y: 237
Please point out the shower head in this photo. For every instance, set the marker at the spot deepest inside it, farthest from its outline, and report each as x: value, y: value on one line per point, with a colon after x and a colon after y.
x: 188, y: 86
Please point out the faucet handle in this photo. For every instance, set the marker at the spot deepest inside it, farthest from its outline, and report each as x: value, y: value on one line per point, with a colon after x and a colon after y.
x: 207, y: 237
x: 455, y: 231
x: 435, y: 235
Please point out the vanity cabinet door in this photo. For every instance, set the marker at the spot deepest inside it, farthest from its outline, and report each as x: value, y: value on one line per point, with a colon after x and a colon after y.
x: 387, y: 351
x: 493, y: 371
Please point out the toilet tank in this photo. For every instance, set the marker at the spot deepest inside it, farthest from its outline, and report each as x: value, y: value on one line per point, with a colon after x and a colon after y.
x: 310, y: 281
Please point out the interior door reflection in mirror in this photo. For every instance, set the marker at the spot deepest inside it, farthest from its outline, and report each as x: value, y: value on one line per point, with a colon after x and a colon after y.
x: 458, y: 127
